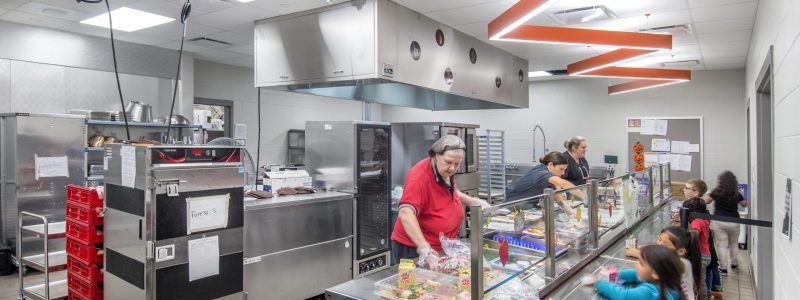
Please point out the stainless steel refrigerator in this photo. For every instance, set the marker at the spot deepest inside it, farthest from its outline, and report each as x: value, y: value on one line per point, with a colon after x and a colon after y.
x: 355, y: 157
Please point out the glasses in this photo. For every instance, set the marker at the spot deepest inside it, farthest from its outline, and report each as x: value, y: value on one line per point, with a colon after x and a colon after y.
x: 688, y: 188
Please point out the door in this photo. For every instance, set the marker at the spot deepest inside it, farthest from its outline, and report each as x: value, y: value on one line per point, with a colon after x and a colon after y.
x: 764, y: 176
x: 216, y: 116
x: 373, y: 199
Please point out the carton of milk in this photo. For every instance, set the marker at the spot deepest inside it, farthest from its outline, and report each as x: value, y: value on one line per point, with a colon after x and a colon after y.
x: 273, y: 181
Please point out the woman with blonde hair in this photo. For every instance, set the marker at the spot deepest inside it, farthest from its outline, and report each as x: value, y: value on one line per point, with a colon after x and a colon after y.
x: 577, y: 171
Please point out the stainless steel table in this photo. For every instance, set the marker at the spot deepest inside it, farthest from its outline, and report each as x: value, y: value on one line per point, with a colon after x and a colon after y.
x: 360, y: 289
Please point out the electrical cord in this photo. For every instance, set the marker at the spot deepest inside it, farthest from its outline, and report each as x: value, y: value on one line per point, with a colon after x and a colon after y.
x: 114, y: 58
x: 187, y: 8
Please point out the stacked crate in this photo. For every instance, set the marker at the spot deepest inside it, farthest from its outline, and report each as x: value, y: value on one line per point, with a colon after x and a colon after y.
x: 84, y: 230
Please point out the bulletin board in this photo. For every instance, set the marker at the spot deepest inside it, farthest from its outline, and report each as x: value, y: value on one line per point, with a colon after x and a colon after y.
x: 684, y: 130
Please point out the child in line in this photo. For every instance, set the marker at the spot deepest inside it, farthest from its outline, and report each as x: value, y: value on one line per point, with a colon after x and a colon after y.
x: 656, y: 277
x: 686, y: 245
x: 693, y: 190
x: 713, y: 280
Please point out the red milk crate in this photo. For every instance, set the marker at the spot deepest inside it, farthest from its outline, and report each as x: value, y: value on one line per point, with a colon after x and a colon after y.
x: 87, y: 272
x: 84, y: 215
x: 84, y: 234
x: 84, y: 290
x: 83, y: 195
x: 87, y: 254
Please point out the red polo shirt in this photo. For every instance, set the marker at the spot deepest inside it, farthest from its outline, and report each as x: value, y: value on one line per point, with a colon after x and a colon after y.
x: 438, y: 210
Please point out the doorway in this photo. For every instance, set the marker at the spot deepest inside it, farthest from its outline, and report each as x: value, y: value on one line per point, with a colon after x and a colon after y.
x: 216, y: 116
x: 764, y: 176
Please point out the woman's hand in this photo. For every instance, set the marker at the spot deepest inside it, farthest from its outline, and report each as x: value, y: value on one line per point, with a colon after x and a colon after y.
x: 427, y: 256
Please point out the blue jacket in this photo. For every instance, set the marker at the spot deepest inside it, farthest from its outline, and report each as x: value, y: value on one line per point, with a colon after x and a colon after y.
x: 641, y: 291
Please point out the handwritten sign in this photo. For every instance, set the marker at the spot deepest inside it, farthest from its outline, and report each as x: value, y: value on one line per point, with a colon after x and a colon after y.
x: 207, y: 213
x: 50, y: 166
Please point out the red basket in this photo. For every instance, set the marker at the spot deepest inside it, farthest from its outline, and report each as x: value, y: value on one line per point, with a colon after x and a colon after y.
x: 84, y: 195
x: 84, y: 290
x: 84, y: 215
x: 85, y: 272
x: 87, y: 254
x: 84, y: 234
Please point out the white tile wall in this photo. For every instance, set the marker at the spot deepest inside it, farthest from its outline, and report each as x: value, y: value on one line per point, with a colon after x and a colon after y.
x: 280, y: 111
x: 565, y: 108
x: 777, y: 24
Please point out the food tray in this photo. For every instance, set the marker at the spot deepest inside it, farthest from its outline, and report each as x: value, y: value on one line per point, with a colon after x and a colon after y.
x: 87, y: 254
x: 84, y: 290
x: 83, y: 214
x: 86, y: 272
x: 84, y: 234
x: 529, y: 244
x: 447, y: 288
x: 84, y: 195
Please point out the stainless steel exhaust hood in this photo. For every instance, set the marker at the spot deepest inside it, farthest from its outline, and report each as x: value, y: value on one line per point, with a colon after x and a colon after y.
x: 379, y: 51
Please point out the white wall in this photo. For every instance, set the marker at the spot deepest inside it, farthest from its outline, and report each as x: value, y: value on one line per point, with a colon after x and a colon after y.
x: 565, y: 108
x: 777, y: 24
x: 280, y: 111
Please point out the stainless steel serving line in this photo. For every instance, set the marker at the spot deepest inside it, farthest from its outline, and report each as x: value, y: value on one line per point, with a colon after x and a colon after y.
x: 297, y: 246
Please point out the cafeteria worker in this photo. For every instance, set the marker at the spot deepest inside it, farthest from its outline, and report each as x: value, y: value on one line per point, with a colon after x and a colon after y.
x: 431, y: 203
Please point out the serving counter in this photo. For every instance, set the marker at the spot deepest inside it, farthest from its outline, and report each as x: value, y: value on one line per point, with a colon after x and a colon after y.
x: 296, y: 246
x: 521, y: 251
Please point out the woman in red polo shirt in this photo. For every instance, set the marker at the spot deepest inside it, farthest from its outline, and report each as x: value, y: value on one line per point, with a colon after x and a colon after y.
x: 431, y: 203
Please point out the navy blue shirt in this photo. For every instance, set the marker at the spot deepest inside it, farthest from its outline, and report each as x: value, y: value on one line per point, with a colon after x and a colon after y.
x: 577, y: 173
x: 531, y: 184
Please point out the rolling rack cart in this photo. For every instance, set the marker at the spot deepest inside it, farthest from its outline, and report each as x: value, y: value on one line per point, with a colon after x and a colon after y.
x: 492, y: 164
x: 47, y: 262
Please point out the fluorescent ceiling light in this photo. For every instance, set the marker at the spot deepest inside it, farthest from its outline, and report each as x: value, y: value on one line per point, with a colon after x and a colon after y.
x: 539, y: 74
x: 638, y: 85
x: 128, y: 19
x: 516, y: 16
x: 245, y: 1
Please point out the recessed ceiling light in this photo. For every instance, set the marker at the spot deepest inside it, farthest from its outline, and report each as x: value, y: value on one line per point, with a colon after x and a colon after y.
x: 128, y: 19
x: 245, y: 1
x: 539, y: 74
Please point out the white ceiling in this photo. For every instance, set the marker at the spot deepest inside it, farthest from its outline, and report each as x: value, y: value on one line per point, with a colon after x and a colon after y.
x: 720, y: 35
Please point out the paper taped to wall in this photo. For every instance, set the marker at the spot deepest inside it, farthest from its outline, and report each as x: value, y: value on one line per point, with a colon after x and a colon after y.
x: 203, y: 257
x: 127, y: 156
x: 659, y: 145
x: 50, y: 166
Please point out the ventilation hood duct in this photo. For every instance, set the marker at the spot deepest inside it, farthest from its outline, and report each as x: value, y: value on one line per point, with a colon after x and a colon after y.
x: 378, y: 51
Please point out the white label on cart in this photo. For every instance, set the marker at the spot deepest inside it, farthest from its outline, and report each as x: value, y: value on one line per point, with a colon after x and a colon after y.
x: 252, y: 260
x: 105, y: 163
x: 207, y: 213
x: 203, y: 257
x: 127, y: 155
x: 50, y: 166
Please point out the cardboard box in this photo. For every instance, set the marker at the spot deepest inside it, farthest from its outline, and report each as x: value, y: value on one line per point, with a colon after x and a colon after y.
x: 280, y: 179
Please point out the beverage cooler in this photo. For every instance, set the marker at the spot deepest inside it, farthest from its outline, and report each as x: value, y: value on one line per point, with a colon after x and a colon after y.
x: 174, y: 222
x: 354, y: 157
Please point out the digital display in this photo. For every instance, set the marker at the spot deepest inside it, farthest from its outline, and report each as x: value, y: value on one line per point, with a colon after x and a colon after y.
x: 197, y: 152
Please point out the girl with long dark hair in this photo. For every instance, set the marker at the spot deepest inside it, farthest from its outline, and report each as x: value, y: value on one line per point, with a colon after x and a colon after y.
x: 727, y: 199
x: 656, y: 277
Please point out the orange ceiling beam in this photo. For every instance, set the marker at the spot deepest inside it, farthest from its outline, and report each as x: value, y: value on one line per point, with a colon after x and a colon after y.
x: 606, y: 59
x: 517, y: 15
x: 638, y: 85
x: 594, y: 37
x: 641, y: 73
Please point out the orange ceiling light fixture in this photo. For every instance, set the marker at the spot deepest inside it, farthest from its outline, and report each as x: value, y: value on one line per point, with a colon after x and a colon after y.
x: 592, y: 37
x: 517, y: 15
x: 641, y: 73
x: 605, y: 60
x: 638, y: 85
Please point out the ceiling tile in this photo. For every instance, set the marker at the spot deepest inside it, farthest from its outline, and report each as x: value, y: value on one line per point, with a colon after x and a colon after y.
x: 92, y: 8
x: 3, y: 10
x: 247, y: 49
x: 725, y: 66
x: 217, y: 55
x: 679, y: 40
x: 706, y: 3
x: 726, y: 60
x: 169, y: 10
x: 173, y: 30
x: 284, y: 7
x: 42, y: 21
x: 12, y: 4
x: 470, y: 14
x: 58, y: 12
x: 723, y: 26
x: 187, y: 46
x: 134, y: 37
x: 724, y: 47
x: 724, y: 12
x: 426, y: 6
x: 239, y: 17
x: 203, y: 6
x: 723, y: 37
x: 237, y: 38
x: 246, y: 62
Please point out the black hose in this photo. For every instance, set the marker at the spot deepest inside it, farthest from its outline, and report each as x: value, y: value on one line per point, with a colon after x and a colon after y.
x: 187, y: 7
x: 116, y: 72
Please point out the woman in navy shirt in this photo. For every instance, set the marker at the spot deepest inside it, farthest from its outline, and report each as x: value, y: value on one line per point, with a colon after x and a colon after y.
x: 577, y: 171
x: 544, y: 176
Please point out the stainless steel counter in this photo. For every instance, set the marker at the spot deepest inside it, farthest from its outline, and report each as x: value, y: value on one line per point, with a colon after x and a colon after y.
x: 360, y: 289
x: 297, y: 246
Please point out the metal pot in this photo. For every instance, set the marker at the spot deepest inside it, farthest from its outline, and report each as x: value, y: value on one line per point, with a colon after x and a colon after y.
x: 139, y: 112
x: 180, y: 120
